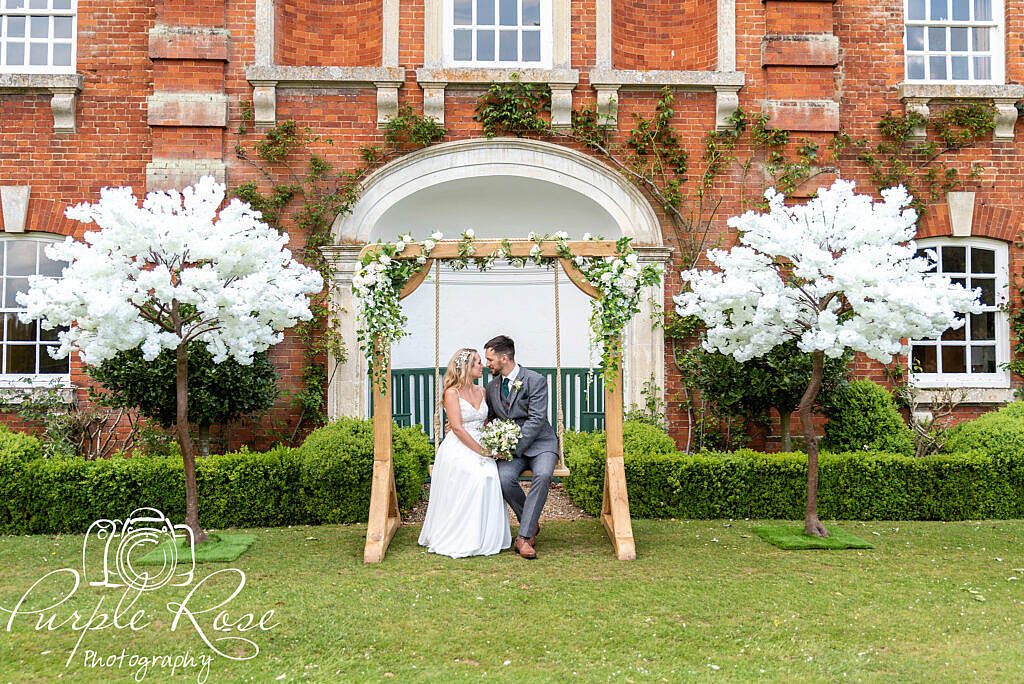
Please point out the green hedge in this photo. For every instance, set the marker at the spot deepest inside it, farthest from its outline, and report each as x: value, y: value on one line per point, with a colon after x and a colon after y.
x: 326, y: 480
x: 863, y: 417
x: 855, y: 485
x: 998, y: 432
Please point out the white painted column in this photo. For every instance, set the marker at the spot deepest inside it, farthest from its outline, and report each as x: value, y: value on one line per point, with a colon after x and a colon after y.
x: 726, y: 35
x: 264, y: 32
x: 346, y: 387
x: 645, y: 336
x: 389, y: 40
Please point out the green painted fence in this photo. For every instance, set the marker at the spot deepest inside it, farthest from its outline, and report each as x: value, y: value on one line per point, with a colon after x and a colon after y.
x: 412, y: 397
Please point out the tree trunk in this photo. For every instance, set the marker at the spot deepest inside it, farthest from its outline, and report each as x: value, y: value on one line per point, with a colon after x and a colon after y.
x: 204, y: 439
x: 188, y: 453
x: 812, y: 525
x: 787, y: 442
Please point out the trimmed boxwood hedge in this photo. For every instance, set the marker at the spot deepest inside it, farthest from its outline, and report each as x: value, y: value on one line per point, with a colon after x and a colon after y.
x: 856, y: 485
x: 326, y: 480
x: 998, y: 432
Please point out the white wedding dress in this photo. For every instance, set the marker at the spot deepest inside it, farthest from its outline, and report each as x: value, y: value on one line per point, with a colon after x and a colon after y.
x: 466, y: 514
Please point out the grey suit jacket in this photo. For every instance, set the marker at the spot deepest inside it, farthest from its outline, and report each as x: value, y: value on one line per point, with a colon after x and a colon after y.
x: 528, y: 408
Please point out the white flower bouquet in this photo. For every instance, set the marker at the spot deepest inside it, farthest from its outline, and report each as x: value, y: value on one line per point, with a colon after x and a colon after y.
x: 500, y: 437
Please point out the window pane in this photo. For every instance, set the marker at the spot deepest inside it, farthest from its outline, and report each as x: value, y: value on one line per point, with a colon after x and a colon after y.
x: 531, y: 46
x: 961, y: 10
x: 507, y: 12
x: 13, y: 287
x: 980, y: 39
x: 938, y: 8
x: 954, y: 360
x: 18, y: 331
x: 983, y: 326
x: 485, y: 46
x: 485, y: 12
x: 37, y: 4
x: 48, y: 365
x: 915, y: 67
x: 15, y: 27
x: 937, y: 38
x: 531, y: 13
x: 983, y: 260
x: 463, y: 45
x: 15, y: 4
x: 508, y: 50
x: 922, y: 359
x: 937, y: 68
x: 958, y: 39
x: 61, y: 4
x: 21, y: 358
x: 983, y: 359
x: 959, y: 68
x: 988, y: 290
x: 983, y: 10
x: 955, y: 333
x: 463, y: 12
x: 15, y: 54
x: 915, y: 10
x: 50, y: 335
x: 39, y: 54
x: 915, y: 38
x: 39, y: 27
x: 62, y: 54
x: 983, y: 68
x: 62, y: 27
x: 21, y: 257
x: 954, y: 260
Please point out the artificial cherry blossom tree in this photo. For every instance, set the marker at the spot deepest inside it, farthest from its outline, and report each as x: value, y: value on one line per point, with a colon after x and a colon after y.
x: 177, y: 269
x: 836, y: 273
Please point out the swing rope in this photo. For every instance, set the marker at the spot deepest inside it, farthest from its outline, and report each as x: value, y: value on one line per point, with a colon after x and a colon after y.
x: 437, y: 354
x: 558, y: 374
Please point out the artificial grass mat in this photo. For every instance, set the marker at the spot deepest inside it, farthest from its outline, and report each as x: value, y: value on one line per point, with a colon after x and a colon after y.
x: 793, y: 538
x: 224, y: 547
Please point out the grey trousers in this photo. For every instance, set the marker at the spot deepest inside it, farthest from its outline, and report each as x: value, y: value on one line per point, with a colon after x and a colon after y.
x: 527, y: 507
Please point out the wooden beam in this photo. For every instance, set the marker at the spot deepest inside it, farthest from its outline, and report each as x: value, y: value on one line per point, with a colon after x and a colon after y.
x: 449, y: 249
x: 615, y: 503
x: 416, y: 280
x: 578, y: 279
x: 384, y: 516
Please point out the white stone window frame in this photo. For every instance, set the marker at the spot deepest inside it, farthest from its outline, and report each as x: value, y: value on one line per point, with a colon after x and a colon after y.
x: 1001, y: 378
x: 26, y: 380
x: 7, y: 12
x: 450, y: 27
x: 996, y: 51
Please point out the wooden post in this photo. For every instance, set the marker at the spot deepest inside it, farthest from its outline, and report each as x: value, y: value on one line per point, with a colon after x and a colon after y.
x: 384, y: 515
x: 615, y: 506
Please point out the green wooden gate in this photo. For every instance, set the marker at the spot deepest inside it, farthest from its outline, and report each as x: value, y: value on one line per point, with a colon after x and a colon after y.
x: 412, y: 397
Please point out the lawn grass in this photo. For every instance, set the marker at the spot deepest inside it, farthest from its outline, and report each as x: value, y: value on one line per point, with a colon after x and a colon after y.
x: 221, y: 548
x: 793, y: 538
x: 707, y: 600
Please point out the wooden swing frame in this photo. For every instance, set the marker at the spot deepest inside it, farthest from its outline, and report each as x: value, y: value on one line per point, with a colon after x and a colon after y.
x: 385, y: 519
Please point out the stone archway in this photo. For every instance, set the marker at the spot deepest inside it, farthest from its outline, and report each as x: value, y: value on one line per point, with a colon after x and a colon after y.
x: 596, y: 193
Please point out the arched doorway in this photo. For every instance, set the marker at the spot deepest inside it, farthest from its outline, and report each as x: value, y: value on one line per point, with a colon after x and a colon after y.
x: 504, y: 187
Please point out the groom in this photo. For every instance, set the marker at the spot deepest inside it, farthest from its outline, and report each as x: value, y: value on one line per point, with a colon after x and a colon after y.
x: 521, y: 395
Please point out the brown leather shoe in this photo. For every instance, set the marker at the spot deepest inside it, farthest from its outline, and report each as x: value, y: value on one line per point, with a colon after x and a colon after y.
x: 524, y: 548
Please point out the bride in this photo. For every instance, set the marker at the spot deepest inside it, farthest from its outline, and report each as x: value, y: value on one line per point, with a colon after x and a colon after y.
x: 466, y: 514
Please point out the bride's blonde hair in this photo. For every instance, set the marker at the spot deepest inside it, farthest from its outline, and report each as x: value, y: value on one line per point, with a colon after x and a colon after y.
x: 459, y: 367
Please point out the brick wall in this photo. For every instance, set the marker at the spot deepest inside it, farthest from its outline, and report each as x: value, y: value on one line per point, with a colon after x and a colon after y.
x: 114, y: 143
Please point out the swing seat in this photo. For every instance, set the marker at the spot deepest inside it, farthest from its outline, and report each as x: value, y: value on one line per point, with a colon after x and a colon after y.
x: 560, y: 471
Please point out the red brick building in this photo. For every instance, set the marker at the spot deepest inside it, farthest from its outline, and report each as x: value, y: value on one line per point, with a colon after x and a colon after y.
x: 151, y: 94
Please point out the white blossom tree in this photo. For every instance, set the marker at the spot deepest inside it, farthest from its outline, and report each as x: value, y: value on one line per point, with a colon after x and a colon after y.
x: 836, y: 273
x: 172, y: 271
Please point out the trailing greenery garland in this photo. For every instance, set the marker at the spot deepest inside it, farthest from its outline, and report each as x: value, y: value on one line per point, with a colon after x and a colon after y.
x: 381, y: 276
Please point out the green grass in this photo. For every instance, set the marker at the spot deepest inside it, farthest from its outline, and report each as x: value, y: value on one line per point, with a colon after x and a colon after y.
x: 706, y: 600
x: 793, y: 538
x: 223, y: 548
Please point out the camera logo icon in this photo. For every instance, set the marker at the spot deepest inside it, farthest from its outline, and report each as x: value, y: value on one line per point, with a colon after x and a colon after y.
x: 125, y: 543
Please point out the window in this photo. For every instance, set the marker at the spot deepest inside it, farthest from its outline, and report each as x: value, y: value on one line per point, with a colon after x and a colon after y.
x: 498, y: 33
x: 972, y: 355
x: 37, y: 36
x: 950, y: 41
x: 25, y: 344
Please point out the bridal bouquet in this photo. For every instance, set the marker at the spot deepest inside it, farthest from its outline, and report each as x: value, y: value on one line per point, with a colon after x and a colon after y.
x: 500, y: 437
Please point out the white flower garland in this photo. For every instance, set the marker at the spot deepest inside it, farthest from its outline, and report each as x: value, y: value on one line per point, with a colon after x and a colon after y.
x: 380, y: 278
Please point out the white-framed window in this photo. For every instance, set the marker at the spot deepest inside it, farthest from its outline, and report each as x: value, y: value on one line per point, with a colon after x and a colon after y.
x: 954, y: 41
x: 38, y: 36
x: 497, y: 33
x: 25, y: 345
x: 975, y: 354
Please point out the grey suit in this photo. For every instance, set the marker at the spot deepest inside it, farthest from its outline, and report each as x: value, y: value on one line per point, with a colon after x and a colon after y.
x: 537, y: 449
